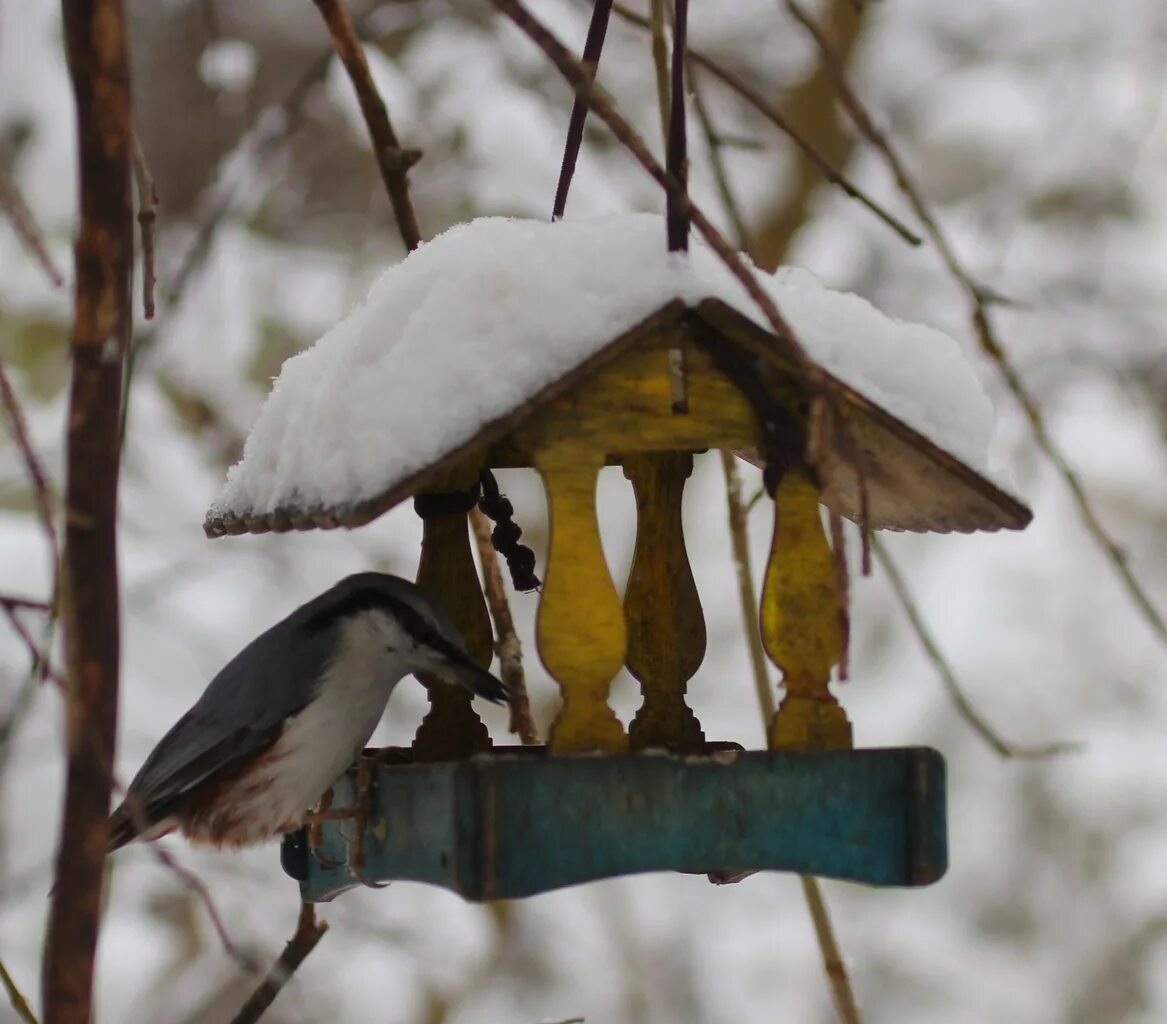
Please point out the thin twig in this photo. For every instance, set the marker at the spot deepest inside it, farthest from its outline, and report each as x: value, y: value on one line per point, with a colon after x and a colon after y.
x: 747, y: 593
x: 676, y: 152
x: 29, y: 603
x: 932, y: 649
x: 717, y: 163
x: 818, y: 383
x: 25, y: 225
x: 756, y: 100
x: 147, y: 221
x: 36, y: 474
x: 199, y: 888
x: 981, y: 299
x: 137, y: 811
x: 660, y: 61
x: 837, y: 977
x: 16, y: 998
x: 269, y: 129
x: 42, y: 667
x: 393, y: 161
x: 593, y: 47
x: 840, y: 982
x: 308, y: 933
x: 508, y: 648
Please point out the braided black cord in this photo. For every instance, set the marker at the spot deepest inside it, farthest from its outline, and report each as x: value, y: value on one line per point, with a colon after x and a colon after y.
x: 520, y: 559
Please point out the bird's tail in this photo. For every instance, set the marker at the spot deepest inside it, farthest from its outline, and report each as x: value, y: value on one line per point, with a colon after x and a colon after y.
x: 133, y: 821
x: 121, y: 828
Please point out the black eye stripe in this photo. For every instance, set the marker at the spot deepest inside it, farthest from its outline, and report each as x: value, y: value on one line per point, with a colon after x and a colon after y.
x: 412, y: 621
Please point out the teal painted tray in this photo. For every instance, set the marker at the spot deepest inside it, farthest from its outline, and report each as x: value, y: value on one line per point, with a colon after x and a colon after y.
x: 514, y: 823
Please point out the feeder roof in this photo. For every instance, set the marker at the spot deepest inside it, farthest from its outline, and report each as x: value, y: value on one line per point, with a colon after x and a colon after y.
x: 481, y: 323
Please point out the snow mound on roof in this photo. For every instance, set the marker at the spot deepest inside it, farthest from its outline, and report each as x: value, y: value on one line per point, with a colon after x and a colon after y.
x: 485, y: 315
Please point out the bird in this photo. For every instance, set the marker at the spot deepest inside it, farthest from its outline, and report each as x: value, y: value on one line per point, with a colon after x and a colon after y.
x: 290, y: 713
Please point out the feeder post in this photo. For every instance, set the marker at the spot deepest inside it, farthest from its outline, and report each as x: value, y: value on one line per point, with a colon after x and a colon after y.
x: 801, y: 621
x: 451, y: 728
x: 580, y: 626
x: 666, y: 626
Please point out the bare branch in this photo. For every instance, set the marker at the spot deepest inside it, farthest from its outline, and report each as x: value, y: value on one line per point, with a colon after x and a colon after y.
x: 818, y: 383
x: 836, y: 971
x: 147, y: 218
x: 677, y: 147
x: 36, y: 474
x: 756, y: 100
x: 975, y: 720
x: 308, y: 933
x: 747, y: 592
x: 837, y: 977
x: 510, y: 652
x: 840, y: 982
x: 593, y: 47
x: 720, y: 173
x: 981, y: 300
x: 199, y: 888
x: 16, y: 998
x: 12, y: 601
x: 96, y: 45
x: 393, y: 161
x: 13, y: 204
x: 660, y: 61
x: 42, y: 667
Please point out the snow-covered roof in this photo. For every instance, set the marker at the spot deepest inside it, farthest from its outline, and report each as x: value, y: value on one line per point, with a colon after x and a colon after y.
x: 485, y: 317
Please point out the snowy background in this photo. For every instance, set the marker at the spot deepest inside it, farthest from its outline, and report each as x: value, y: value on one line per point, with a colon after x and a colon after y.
x: 1035, y: 127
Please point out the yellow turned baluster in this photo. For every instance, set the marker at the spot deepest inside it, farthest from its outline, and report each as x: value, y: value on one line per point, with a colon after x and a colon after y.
x: 451, y: 729
x: 666, y: 629
x: 801, y: 627
x: 580, y: 627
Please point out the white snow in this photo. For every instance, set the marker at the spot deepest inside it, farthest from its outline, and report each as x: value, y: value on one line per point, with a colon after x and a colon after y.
x: 228, y: 65
x: 487, y: 313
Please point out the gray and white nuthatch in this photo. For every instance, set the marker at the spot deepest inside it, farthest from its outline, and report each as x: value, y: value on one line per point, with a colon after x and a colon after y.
x: 289, y: 713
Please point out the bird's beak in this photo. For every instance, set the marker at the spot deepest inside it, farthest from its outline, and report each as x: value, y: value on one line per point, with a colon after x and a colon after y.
x: 477, y: 680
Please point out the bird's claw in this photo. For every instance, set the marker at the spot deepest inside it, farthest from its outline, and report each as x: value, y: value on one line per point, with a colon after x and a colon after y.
x: 366, y: 770
x: 315, y: 828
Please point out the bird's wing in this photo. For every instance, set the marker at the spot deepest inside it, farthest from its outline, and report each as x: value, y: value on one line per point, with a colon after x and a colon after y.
x: 240, y: 714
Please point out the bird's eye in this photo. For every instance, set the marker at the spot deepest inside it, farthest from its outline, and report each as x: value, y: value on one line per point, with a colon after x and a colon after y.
x: 390, y: 650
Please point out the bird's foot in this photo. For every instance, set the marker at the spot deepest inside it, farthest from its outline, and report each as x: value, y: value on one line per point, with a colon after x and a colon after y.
x: 366, y: 774
x: 366, y: 770
x: 315, y: 828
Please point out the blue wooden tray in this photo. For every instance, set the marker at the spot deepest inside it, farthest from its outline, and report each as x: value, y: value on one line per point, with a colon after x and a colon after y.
x: 515, y: 822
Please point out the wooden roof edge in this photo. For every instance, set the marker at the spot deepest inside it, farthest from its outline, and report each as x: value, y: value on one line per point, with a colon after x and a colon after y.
x: 286, y: 518
x: 720, y: 315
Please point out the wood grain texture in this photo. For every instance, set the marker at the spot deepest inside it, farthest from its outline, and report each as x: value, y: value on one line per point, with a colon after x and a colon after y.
x: 514, y: 823
x: 580, y: 626
x: 662, y: 609
x: 802, y: 629
x: 629, y: 406
x: 451, y: 728
x: 911, y: 483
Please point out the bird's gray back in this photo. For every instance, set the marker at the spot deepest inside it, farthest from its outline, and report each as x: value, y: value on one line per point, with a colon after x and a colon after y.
x: 243, y: 709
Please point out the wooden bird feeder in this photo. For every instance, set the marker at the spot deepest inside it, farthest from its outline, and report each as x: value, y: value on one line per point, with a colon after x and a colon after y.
x: 602, y: 799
